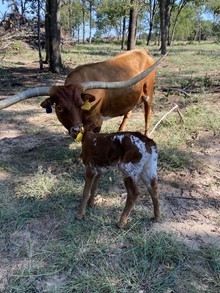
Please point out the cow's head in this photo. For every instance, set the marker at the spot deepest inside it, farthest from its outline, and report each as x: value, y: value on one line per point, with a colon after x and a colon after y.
x: 69, y: 102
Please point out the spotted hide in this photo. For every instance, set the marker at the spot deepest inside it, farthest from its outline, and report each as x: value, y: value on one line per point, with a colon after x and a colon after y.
x: 134, y: 154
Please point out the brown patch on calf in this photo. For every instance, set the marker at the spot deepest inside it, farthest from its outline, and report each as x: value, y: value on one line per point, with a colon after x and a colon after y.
x: 97, y: 153
x: 131, y: 151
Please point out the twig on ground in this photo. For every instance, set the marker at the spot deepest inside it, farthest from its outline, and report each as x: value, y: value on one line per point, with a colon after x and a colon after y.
x: 180, y: 114
x: 177, y: 90
x: 180, y: 197
x: 176, y: 107
x: 5, y: 46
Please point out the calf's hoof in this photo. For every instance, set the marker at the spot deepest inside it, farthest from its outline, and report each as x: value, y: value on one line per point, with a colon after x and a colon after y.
x: 79, y: 217
x: 156, y: 219
x: 121, y: 224
x: 91, y: 203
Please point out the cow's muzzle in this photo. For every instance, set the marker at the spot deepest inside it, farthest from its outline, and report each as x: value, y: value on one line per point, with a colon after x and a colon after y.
x: 76, y: 132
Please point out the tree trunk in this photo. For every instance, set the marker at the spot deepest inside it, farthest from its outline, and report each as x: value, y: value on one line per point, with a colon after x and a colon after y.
x: 47, y: 29
x: 69, y: 19
x: 54, y: 36
x: 198, y: 26
x: 181, y: 5
x: 164, y: 22
x: 90, y: 21
x: 168, y: 17
x: 78, y: 34
x: 84, y: 20
x: 39, y: 36
x: 132, y: 30
x: 153, y: 6
x: 123, y: 32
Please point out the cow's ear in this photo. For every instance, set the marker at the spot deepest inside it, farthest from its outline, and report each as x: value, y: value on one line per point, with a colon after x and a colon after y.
x: 88, y: 99
x: 47, y: 103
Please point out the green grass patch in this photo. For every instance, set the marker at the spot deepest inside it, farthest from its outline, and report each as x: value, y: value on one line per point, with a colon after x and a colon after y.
x: 44, y: 183
x: 108, y: 261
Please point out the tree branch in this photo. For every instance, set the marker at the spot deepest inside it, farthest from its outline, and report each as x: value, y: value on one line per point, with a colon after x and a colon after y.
x: 175, y: 89
x: 176, y: 107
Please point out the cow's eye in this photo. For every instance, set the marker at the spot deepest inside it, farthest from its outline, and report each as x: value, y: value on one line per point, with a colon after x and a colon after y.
x: 59, y: 108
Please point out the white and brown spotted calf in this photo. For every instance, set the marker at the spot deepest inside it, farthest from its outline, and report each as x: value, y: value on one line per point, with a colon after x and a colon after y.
x: 132, y: 153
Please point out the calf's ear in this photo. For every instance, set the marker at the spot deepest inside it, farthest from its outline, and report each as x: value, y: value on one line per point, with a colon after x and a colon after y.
x: 88, y: 99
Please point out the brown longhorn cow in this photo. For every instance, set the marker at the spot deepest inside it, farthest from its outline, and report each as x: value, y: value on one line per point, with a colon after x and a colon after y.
x: 104, y: 89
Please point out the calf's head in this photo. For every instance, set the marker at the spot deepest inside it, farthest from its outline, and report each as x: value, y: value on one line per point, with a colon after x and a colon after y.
x: 70, y: 102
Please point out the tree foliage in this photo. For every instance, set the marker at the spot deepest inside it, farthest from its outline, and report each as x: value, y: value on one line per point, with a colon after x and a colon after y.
x: 71, y: 16
x: 214, y: 7
x: 109, y: 15
x: 180, y: 19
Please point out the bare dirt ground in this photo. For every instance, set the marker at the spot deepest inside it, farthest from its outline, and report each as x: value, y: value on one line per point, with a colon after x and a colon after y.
x: 189, y: 199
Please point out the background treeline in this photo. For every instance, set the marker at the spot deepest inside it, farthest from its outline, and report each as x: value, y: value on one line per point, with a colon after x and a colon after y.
x: 88, y: 20
x: 110, y: 18
x: 160, y: 22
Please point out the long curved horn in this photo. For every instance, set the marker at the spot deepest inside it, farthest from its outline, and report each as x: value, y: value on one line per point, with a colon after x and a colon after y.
x: 45, y: 91
x: 120, y: 84
x: 33, y: 92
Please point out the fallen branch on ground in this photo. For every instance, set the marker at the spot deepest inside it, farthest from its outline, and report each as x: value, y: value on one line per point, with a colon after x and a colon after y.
x: 170, y: 89
x: 176, y: 107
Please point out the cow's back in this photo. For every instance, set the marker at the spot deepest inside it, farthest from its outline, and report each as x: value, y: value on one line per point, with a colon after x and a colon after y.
x: 121, y: 67
x: 116, y: 102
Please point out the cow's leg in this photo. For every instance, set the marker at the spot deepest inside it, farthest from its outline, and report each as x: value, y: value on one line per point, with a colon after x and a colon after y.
x: 132, y: 194
x: 147, y: 113
x: 93, y: 189
x: 86, y: 193
x: 147, y: 99
x: 124, y: 121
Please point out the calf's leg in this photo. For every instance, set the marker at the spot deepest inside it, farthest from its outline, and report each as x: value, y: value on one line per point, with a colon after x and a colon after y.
x: 132, y: 194
x: 93, y: 189
x: 153, y: 191
x: 89, y: 189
